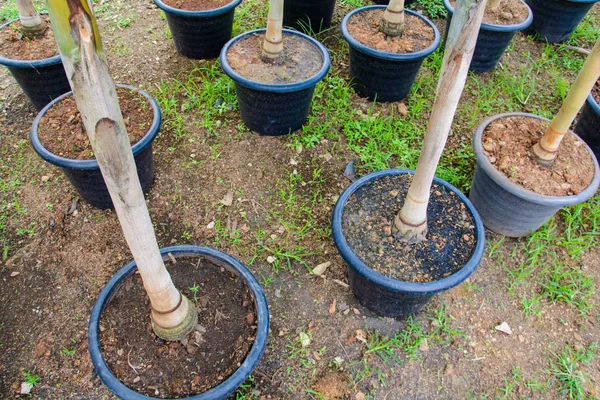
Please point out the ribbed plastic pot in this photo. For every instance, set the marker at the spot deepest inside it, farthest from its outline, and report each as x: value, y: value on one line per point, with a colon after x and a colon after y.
x: 200, y: 34
x: 555, y: 20
x: 222, y: 259
x: 381, y: 75
x: 588, y: 125
x: 308, y: 15
x: 390, y: 297
x: 85, y: 175
x: 41, y: 80
x: 492, y: 40
x: 274, y: 109
x: 507, y: 208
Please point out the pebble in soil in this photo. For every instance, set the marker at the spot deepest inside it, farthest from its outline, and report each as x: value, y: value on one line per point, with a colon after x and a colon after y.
x: 367, y: 220
x: 210, y: 354
x: 300, y: 60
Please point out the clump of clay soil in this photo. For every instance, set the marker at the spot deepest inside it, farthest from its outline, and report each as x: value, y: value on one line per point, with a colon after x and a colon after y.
x: 507, y: 143
x: 596, y: 92
x: 364, y: 27
x: 209, y: 355
x: 509, y: 12
x: 300, y: 60
x: 367, y: 225
x: 61, y: 129
x: 197, y: 5
x: 15, y: 46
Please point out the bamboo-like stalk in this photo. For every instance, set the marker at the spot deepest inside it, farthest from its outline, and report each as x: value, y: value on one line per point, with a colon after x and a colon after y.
x: 273, y: 43
x: 76, y: 32
x: 392, y: 21
x: 32, y: 24
x: 494, y: 4
x: 546, y: 149
x: 410, y: 225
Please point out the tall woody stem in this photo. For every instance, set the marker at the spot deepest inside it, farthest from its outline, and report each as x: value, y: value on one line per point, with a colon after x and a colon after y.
x: 273, y: 43
x: 392, y: 22
x: 76, y: 32
x: 32, y: 24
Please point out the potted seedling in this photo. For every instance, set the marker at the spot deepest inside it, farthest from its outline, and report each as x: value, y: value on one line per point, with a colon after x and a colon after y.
x: 199, y: 28
x: 309, y: 16
x: 275, y: 72
x: 501, y: 21
x: 27, y: 49
x: 523, y: 176
x: 407, y: 236
x: 387, y: 47
x: 130, y: 302
x: 555, y: 20
x: 588, y: 124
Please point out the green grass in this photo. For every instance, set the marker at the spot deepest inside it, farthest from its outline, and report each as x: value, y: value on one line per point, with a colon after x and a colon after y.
x: 566, y: 369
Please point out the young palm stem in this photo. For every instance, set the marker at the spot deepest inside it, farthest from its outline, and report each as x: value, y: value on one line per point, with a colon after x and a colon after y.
x: 32, y: 24
x: 392, y: 22
x: 76, y: 32
x: 546, y: 149
x: 273, y: 43
x: 410, y: 225
x: 494, y: 4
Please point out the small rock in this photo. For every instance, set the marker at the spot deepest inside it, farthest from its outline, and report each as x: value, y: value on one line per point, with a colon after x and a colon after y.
x: 577, y: 337
x: 293, y: 162
x: 355, y: 311
x: 359, y: 396
x: 326, y: 157
x: 210, y: 225
x: 14, y: 273
x: 26, y: 387
x: 228, y: 199
x: 136, y: 379
x: 361, y: 336
x: 45, y: 178
x: 521, y: 339
x: 250, y: 319
x: 316, y: 356
x: 271, y: 259
x: 402, y: 109
x: 449, y: 370
x: 342, y: 306
x: 304, y: 339
x: 278, y: 293
x: 504, y: 328
x: 321, y: 268
x: 332, y: 307
x: 424, y: 346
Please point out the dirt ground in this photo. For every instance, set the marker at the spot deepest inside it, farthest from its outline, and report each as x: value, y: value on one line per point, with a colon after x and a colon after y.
x: 59, y: 253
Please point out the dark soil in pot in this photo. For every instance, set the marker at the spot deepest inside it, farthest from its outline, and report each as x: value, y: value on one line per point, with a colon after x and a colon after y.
x: 274, y: 98
x: 225, y: 333
x: 588, y: 123
x: 507, y: 143
x: 196, y: 5
x: 382, y: 68
x: 34, y: 63
x: 61, y: 129
x: 497, y: 31
x: 369, y: 215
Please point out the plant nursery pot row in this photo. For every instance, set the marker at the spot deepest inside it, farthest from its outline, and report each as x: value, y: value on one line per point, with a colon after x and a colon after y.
x: 393, y: 297
x: 275, y: 109
x: 41, y: 80
x: 555, y: 20
x: 492, y: 41
x: 509, y: 208
x: 85, y: 175
x: 383, y: 75
x: 117, y: 283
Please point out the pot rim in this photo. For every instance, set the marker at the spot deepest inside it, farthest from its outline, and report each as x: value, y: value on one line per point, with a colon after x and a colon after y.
x: 355, y: 44
x: 197, y: 14
x: 224, y: 388
x: 275, y: 87
x: 496, y: 27
x: 39, y: 63
x: 519, y: 191
x: 593, y: 104
x: 70, y: 163
x: 395, y: 285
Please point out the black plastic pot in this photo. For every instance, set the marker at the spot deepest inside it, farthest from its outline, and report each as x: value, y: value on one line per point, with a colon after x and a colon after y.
x: 508, y: 208
x: 555, y: 20
x: 222, y: 259
x: 274, y: 109
x: 85, y: 175
x: 492, y: 40
x: 406, y: 2
x: 381, y: 75
x: 41, y: 80
x: 390, y: 297
x: 200, y: 34
x: 588, y: 125
x: 308, y: 15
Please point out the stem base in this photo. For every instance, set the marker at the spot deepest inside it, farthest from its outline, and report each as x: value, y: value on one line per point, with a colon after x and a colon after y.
x: 183, y: 328
x: 408, y: 233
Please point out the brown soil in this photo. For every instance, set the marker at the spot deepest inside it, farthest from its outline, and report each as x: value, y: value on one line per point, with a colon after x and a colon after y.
x: 196, y: 5
x: 333, y: 386
x: 211, y: 353
x: 596, y: 92
x: 14, y: 46
x: 510, y: 12
x: 364, y: 27
x: 61, y: 129
x: 300, y: 60
x: 368, y: 217
x: 507, y: 143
